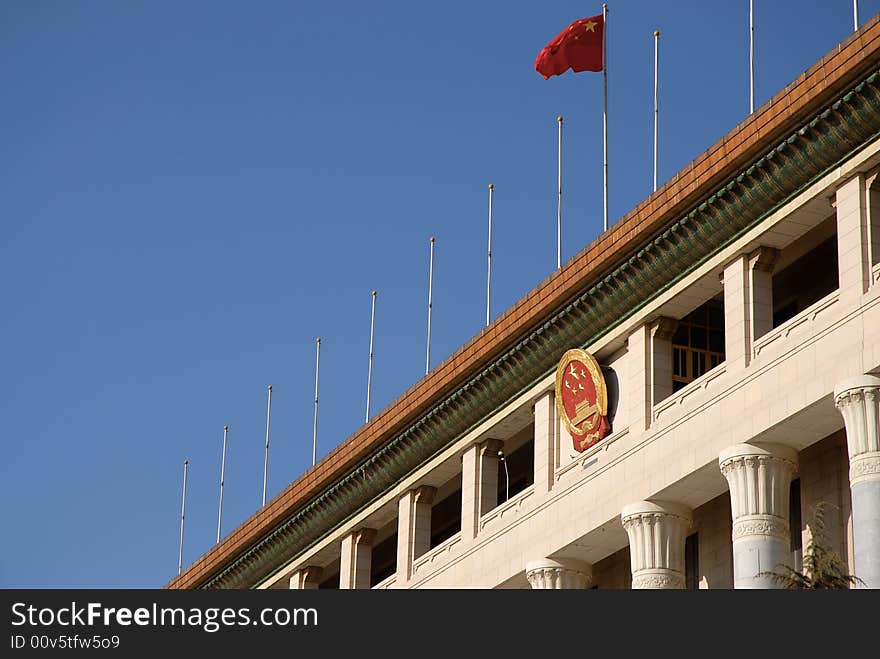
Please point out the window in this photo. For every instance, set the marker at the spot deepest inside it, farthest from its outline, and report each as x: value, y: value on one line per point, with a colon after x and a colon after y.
x: 518, y: 468
x: 446, y: 518
x: 807, y: 280
x: 331, y: 582
x: 698, y: 343
x: 383, y: 561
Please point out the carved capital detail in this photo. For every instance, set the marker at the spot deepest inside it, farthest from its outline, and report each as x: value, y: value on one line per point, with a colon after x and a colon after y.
x: 559, y: 573
x: 857, y: 401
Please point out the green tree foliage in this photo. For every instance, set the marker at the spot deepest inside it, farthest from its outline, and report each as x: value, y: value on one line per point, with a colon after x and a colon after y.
x: 823, y: 567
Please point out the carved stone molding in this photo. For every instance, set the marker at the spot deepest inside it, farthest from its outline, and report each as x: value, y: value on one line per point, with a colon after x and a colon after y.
x: 658, y: 580
x: 559, y: 573
x: 761, y: 526
x: 864, y: 467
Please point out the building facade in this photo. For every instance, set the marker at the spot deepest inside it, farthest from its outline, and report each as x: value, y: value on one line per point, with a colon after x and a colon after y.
x: 735, y: 315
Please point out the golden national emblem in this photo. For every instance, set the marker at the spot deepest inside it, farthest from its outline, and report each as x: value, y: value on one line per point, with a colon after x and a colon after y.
x: 582, y: 398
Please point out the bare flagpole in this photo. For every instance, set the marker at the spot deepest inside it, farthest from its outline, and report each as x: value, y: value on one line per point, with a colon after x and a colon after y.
x: 751, y: 56
x: 855, y: 15
x: 605, y: 107
x: 222, y: 478
x: 489, y: 274
x: 559, y: 198
x: 370, y: 371
x: 656, y: 101
x: 182, y: 516
x: 266, y: 462
x: 317, y: 370
x: 430, y: 304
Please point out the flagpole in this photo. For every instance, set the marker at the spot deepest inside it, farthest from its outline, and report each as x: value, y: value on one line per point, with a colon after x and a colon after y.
x: 370, y: 371
x: 182, y: 516
x: 656, y: 102
x: 855, y: 15
x: 222, y: 478
x: 751, y: 56
x: 559, y: 199
x: 315, y: 431
x: 430, y: 305
x: 266, y: 462
x: 605, y: 108
x: 489, y: 275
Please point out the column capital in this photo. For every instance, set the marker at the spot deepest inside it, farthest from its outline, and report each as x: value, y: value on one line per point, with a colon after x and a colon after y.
x: 656, y: 531
x: 423, y: 494
x: 491, y: 446
x: 364, y: 536
x: 759, y: 477
x: 663, y: 327
x: 858, y: 401
x: 764, y: 258
x: 306, y: 578
x: 559, y: 573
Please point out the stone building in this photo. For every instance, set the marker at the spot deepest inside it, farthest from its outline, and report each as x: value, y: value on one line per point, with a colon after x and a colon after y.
x: 735, y: 314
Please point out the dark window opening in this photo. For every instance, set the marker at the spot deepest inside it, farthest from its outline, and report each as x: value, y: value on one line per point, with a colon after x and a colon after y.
x: 516, y: 471
x: 805, y: 282
x: 698, y: 343
x: 383, y: 561
x: 446, y: 518
x: 795, y: 524
x: 330, y: 582
x: 692, y: 562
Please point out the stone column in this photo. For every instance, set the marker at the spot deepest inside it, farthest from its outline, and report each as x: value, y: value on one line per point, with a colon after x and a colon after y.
x: 761, y: 263
x: 306, y: 578
x: 355, y: 560
x: 559, y: 573
x: 479, y: 484
x: 737, y: 314
x: 853, y: 260
x: 546, y: 425
x: 759, y: 477
x: 858, y: 400
x: 660, y: 373
x: 413, y: 528
x: 657, y: 530
x: 638, y: 369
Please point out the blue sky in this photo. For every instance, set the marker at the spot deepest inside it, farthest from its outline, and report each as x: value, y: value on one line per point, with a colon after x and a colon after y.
x: 191, y: 192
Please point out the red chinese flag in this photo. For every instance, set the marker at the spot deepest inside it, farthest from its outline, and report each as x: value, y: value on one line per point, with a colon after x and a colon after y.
x: 578, y: 47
